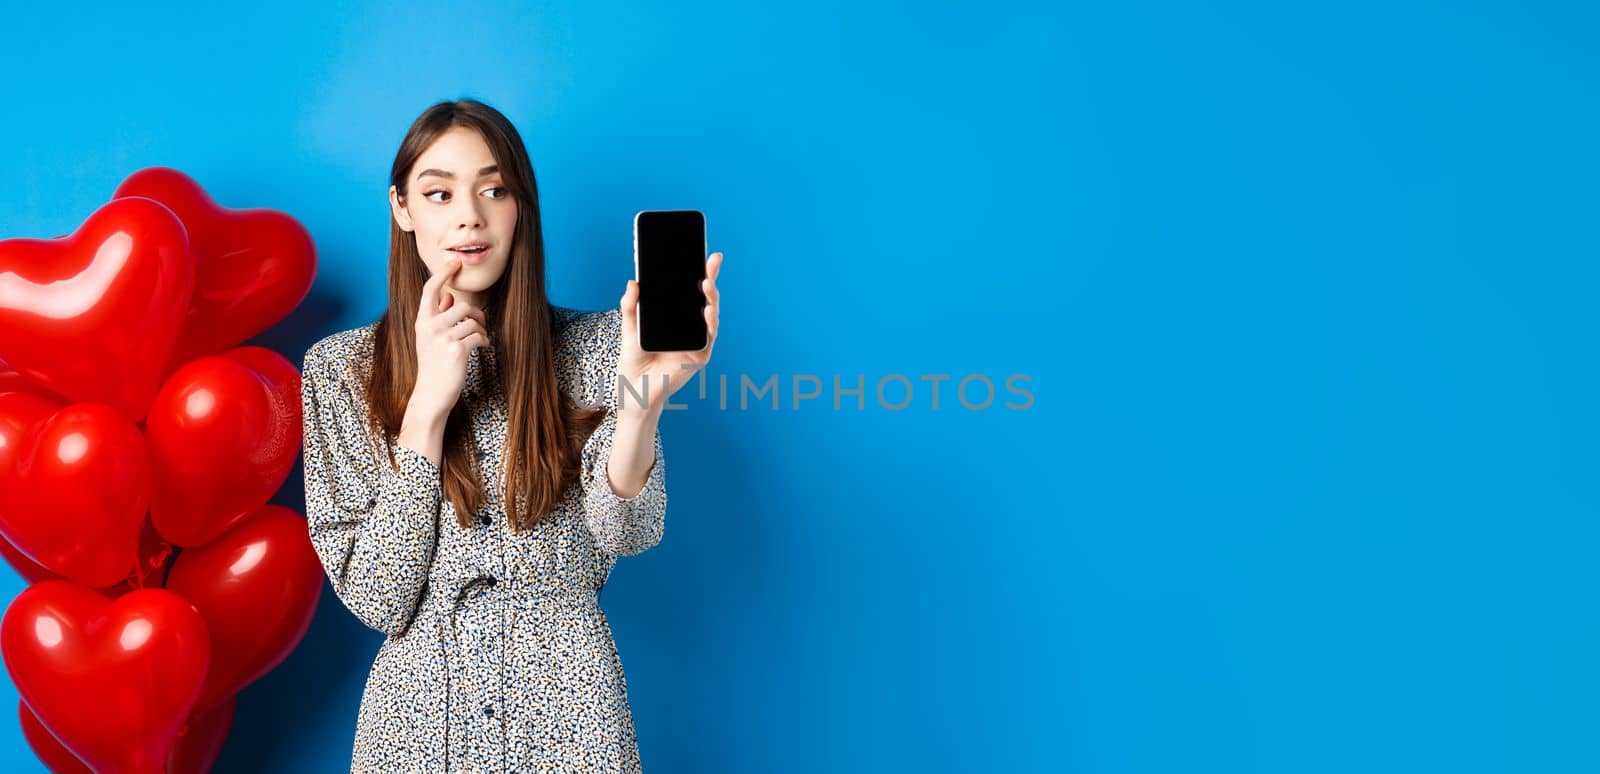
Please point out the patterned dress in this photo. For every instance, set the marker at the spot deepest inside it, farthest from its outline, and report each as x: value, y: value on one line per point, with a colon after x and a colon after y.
x: 498, y: 655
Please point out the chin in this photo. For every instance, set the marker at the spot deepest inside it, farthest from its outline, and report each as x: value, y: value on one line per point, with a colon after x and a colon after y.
x: 476, y: 278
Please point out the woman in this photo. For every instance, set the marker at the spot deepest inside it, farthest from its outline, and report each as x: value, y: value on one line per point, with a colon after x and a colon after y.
x: 498, y: 656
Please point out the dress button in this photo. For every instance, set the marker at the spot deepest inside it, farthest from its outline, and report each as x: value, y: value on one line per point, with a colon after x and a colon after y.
x: 491, y: 580
x: 483, y: 518
x: 488, y: 711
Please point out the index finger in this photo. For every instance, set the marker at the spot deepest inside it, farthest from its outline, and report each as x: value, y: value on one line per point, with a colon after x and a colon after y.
x: 433, y: 289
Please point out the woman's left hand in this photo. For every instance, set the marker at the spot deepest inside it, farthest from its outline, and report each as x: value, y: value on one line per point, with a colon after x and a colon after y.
x: 657, y: 375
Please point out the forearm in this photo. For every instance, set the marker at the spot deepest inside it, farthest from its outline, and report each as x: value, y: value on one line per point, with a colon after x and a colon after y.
x: 391, y: 548
x: 374, y: 534
x: 632, y: 450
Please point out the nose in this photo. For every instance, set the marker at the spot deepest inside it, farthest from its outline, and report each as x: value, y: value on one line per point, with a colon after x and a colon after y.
x: 470, y: 214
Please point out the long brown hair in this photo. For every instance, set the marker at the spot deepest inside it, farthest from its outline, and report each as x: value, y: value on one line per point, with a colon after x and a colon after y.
x: 546, y: 429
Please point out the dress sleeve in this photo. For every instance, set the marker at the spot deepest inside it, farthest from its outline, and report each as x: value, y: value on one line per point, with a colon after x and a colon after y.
x: 372, y: 526
x: 621, y: 526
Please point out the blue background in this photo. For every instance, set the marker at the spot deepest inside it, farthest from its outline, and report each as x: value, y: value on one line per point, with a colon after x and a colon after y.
x: 1305, y: 297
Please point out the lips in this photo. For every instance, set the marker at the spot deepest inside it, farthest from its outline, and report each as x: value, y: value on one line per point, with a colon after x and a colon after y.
x: 471, y: 251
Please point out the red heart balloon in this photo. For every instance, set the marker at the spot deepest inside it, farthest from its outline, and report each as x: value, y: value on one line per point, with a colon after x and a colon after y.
x: 154, y: 556
x: 46, y: 747
x: 257, y: 589
x: 200, y: 740
x: 112, y: 680
x: 74, y: 485
x: 11, y: 381
x: 252, y: 267
x: 28, y: 569
x: 224, y: 433
x: 95, y: 315
x: 20, y: 412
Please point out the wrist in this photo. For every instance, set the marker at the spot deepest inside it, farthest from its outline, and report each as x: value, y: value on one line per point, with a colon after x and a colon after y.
x: 638, y: 414
x: 642, y: 396
x: 423, y: 420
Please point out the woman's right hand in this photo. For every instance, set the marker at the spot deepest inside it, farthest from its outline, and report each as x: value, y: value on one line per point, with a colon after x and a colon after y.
x: 446, y: 333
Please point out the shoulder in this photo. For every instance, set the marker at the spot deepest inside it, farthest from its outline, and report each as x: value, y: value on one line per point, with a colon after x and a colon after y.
x: 578, y: 330
x: 342, y: 355
x: 587, y: 345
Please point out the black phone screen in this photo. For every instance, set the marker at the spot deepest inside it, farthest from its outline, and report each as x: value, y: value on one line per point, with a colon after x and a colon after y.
x: 669, y: 248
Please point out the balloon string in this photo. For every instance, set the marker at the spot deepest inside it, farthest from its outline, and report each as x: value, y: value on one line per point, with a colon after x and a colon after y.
x: 161, y: 557
x: 156, y: 563
x: 169, y: 552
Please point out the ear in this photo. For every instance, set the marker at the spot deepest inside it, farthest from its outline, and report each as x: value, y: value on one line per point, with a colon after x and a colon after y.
x: 398, y: 207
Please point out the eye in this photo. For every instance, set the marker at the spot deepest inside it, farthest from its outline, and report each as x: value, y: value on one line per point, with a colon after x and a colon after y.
x: 503, y: 193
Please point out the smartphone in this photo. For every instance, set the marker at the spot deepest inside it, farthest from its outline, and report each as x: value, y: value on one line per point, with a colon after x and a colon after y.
x: 669, y: 262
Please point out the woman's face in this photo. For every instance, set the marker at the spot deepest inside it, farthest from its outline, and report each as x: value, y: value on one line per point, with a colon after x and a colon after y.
x: 452, y: 200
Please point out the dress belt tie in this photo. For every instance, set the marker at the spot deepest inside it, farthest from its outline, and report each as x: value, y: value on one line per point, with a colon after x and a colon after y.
x: 455, y: 587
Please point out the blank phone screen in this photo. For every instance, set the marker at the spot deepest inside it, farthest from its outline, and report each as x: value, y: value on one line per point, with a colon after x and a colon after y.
x: 670, y: 254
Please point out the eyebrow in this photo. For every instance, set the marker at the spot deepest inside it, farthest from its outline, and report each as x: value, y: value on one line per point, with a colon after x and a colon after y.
x: 489, y: 170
